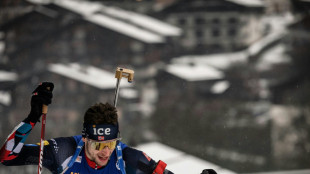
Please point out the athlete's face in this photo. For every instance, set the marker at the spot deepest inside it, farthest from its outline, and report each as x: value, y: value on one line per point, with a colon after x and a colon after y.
x: 100, y: 155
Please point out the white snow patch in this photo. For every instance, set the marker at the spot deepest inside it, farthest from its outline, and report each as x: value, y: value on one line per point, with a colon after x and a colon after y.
x: 178, y: 161
x: 276, y: 55
x: 249, y: 3
x: 194, y: 72
x: 220, y: 61
x: 7, y: 76
x: 128, y: 93
x: 2, y: 47
x: 220, y: 87
x: 5, y: 98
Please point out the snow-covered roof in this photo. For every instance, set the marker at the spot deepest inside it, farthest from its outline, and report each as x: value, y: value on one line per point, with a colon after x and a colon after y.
x: 259, y: 45
x: 2, y: 47
x: 5, y: 98
x: 129, y: 93
x: 90, y: 75
x: 134, y: 25
x: 249, y: 3
x: 273, y: 56
x: 125, y: 28
x: 204, y: 67
x: 219, y: 61
x: 8, y: 76
x: 278, y: 28
x: 178, y: 161
x: 2, y: 43
x: 194, y: 72
x: 144, y: 21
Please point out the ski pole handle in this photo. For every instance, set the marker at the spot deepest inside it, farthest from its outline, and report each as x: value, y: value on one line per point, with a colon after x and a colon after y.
x: 44, y: 109
x: 123, y: 72
x: 119, y: 74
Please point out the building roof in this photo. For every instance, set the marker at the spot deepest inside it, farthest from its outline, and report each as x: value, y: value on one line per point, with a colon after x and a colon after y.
x: 87, y: 74
x: 278, y: 28
x: 185, y: 6
x: 5, y: 98
x: 179, y: 162
x: 205, y: 67
x: 211, y: 65
x: 218, y: 61
x: 8, y: 76
x: 252, y: 3
x: 274, y: 55
x: 141, y: 27
x: 141, y: 20
x: 195, y: 72
x: 2, y: 45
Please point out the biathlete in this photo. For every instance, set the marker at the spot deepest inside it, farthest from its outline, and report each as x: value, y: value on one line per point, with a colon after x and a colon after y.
x: 98, y: 150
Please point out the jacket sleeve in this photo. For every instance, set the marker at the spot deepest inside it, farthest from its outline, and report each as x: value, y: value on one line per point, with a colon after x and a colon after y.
x: 14, y: 152
x: 15, y: 141
x: 142, y: 163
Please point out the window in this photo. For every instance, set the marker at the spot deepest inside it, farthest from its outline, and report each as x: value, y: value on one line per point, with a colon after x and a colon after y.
x: 232, y: 20
x: 182, y: 21
x: 215, y: 21
x: 216, y: 32
x: 199, y: 21
x: 232, y: 32
x: 199, y: 34
x: 215, y: 48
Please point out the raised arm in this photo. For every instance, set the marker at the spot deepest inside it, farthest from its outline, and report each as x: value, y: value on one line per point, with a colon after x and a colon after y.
x: 14, y: 144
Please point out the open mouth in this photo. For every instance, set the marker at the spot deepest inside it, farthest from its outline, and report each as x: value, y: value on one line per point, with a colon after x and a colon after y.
x: 103, y: 159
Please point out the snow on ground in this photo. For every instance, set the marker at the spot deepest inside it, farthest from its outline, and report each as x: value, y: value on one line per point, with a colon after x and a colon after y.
x: 178, y: 161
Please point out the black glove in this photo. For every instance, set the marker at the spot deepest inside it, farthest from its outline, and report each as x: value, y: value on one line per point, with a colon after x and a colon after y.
x: 167, y: 172
x: 41, y: 95
x: 208, y: 171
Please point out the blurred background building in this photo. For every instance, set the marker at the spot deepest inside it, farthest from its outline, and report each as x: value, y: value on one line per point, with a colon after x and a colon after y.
x: 224, y: 80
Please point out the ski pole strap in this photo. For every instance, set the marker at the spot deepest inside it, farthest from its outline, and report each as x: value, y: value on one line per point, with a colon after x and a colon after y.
x: 160, y: 168
x: 120, y: 161
x: 75, y: 155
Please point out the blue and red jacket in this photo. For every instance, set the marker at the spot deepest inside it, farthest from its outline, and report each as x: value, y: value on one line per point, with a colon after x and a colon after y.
x: 59, y: 151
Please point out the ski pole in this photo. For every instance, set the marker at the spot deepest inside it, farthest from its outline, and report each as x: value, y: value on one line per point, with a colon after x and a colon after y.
x: 44, y: 112
x: 119, y: 74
